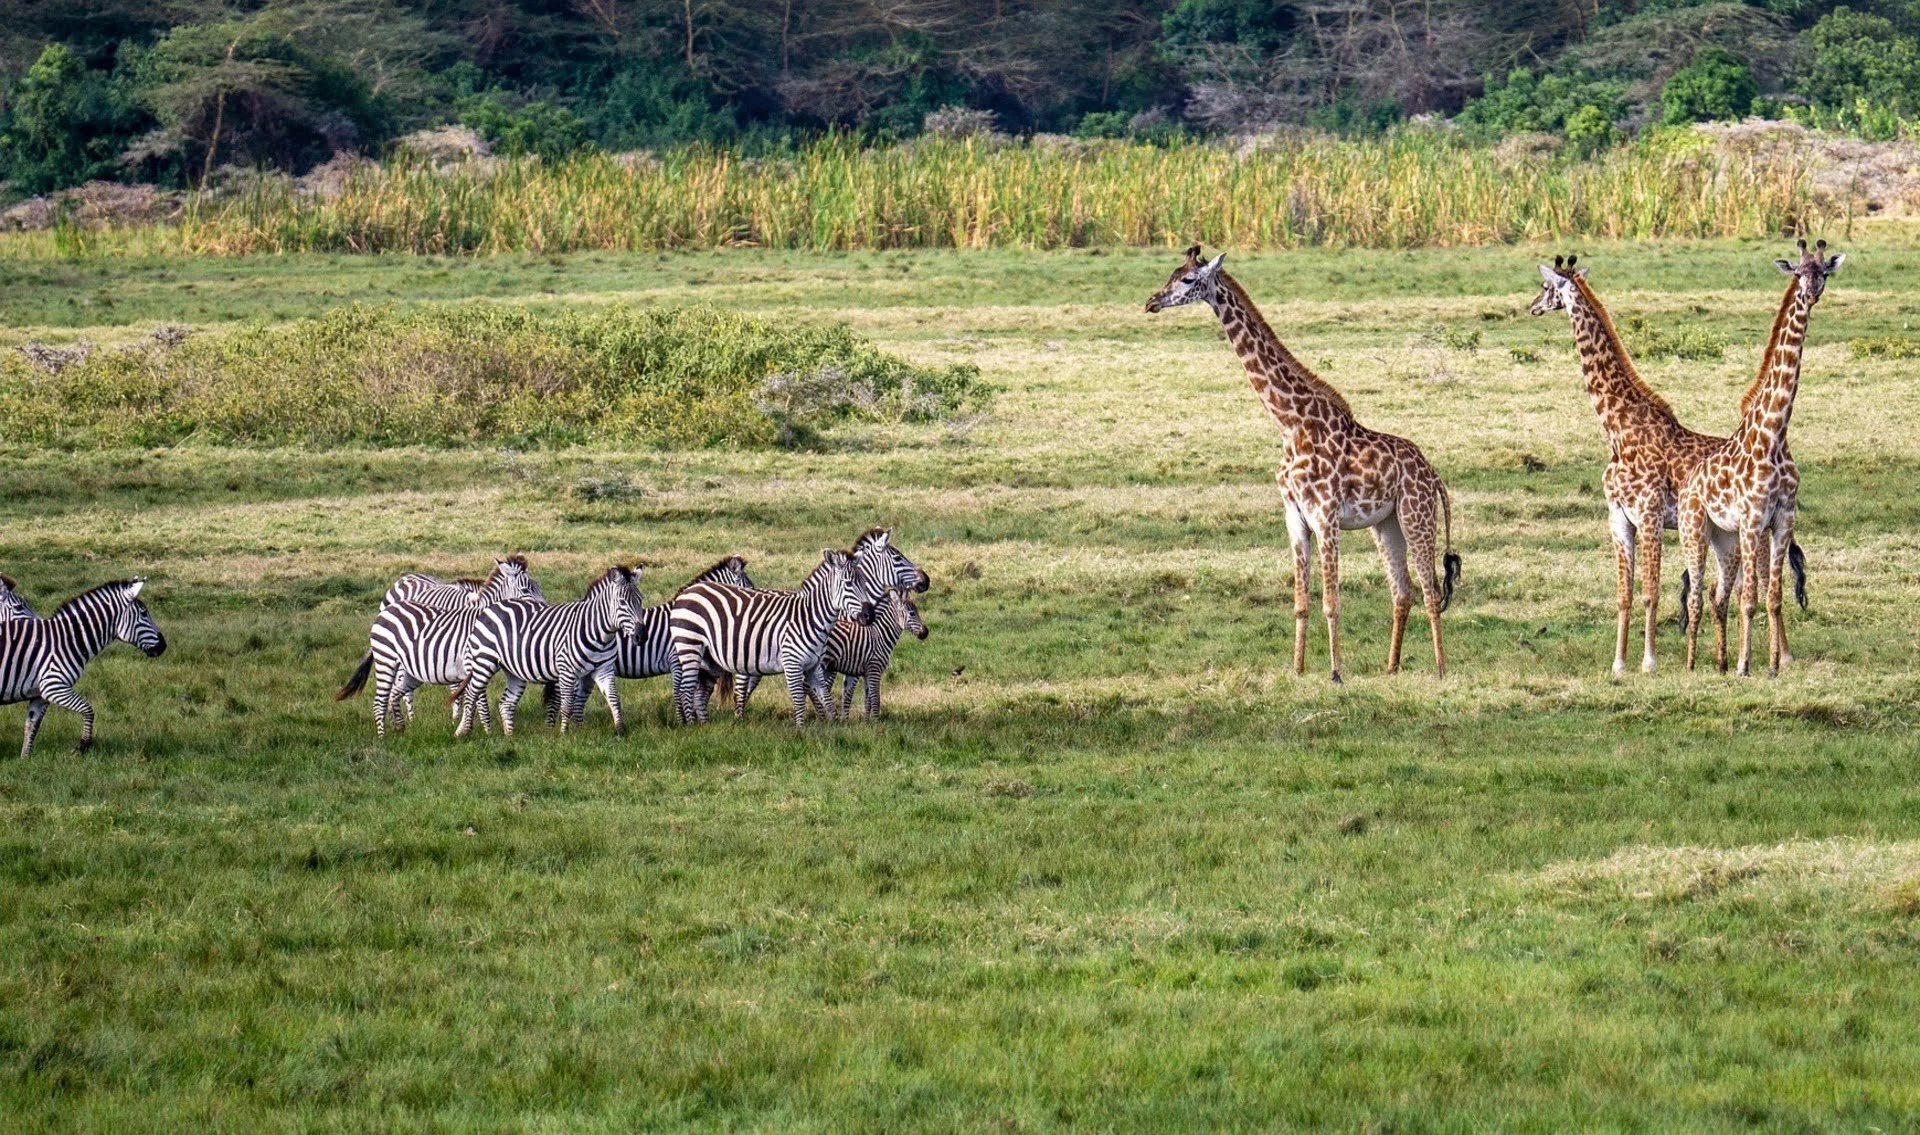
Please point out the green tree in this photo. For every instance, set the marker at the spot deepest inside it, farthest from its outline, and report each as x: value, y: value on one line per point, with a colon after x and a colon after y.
x: 1715, y: 85
x: 1857, y: 58
x: 68, y: 123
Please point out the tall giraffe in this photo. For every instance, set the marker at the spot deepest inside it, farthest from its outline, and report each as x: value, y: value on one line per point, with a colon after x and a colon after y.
x: 1651, y: 453
x: 1334, y: 473
x: 1747, y: 490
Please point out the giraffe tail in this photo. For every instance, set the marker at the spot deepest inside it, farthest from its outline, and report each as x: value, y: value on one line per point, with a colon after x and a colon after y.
x: 359, y: 680
x: 1450, y: 562
x: 1797, y: 560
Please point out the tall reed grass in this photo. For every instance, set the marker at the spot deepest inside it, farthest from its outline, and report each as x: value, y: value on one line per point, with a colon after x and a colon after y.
x: 1414, y: 189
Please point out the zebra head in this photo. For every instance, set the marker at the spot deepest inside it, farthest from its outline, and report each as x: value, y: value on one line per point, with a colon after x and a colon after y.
x: 512, y: 580
x: 905, y: 615
x: 878, y: 565
x: 620, y: 588
x: 133, y: 624
x: 1192, y: 282
x: 839, y: 572
x: 12, y: 605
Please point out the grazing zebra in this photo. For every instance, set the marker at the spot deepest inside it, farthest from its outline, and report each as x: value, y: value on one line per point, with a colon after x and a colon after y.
x: 648, y: 652
x: 12, y: 604
x: 878, y: 565
x: 509, y: 580
x: 412, y: 646
x: 567, y: 643
x: 720, y: 629
x: 863, y: 653
x: 41, y: 659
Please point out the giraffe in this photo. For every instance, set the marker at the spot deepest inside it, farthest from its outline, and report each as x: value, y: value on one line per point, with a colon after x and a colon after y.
x: 1741, y: 500
x: 1651, y: 453
x: 1335, y: 474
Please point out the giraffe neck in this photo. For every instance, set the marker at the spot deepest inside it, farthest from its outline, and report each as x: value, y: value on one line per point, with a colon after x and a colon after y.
x: 1293, y: 394
x: 1619, y: 395
x: 1767, y: 406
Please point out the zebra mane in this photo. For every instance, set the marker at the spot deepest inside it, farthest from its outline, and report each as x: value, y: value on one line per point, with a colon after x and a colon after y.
x: 62, y: 608
x: 8, y: 580
x: 472, y: 582
x: 870, y: 534
x: 730, y: 563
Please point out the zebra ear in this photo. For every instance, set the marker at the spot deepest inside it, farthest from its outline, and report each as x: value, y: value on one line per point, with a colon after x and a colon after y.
x: 133, y: 588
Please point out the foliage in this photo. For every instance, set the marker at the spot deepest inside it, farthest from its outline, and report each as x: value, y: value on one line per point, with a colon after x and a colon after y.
x: 537, y: 128
x: 66, y: 123
x: 1548, y: 103
x: 1885, y: 347
x: 1858, y: 59
x: 1647, y: 339
x: 1713, y: 85
x: 1407, y: 189
x: 479, y: 374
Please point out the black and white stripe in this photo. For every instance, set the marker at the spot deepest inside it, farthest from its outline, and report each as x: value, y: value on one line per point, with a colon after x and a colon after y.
x: 508, y: 580
x: 41, y: 659
x: 411, y: 646
x: 721, y: 629
x: 648, y: 652
x: 863, y: 652
x: 13, y: 605
x: 564, y: 643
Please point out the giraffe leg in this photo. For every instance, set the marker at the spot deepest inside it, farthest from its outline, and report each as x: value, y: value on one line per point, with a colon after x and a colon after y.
x: 1330, y: 594
x: 1776, y: 576
x: 1648, y: 550
x: 1623, y: 551
x: 1421, y: 550
x: 1392, y: 542
x: 1753, y: 564
x: 1693, y: 546
x: 1776, y: 580
x: 1301, y: 538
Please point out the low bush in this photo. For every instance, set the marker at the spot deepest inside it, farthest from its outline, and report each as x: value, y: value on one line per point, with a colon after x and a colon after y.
x: 1885, y: 347
x: 477, y: 373
x: 1645, y: 340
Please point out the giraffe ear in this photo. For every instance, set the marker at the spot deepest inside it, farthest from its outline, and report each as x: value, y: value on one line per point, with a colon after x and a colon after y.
x: 1580, y: 273
x: 1833, y: 265
x: 1787, y: 266
x: 1548, y: 274
x: 1213, y: 266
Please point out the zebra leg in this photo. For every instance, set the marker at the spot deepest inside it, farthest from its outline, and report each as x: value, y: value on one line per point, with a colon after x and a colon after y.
x: 407, y: 700
x: 65, y: 697
x: 550, y: 701
x: 382, y: 687
x: 510, y: 700
x: 820, y: 687
x: 687, y: 680
x: 479, y: 676
x: 603, y: 678
x: 797, y: 690
x: 846, y: 695
x: 743, y: 687
x: 873, y: 694
x: 36, y: 709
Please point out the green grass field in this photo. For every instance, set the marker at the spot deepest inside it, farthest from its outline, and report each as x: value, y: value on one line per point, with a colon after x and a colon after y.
x: 1108, y: 865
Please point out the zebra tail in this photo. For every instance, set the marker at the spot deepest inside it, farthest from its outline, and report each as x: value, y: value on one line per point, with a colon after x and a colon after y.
x: 359, y: 680
x: 1686, y: 593
x: 1449, y: 563
x: 1798, y: 561
x: 457, y: 691
x: 723, y: 689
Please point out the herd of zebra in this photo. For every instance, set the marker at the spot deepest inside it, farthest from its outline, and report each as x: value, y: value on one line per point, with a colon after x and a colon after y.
x: 719, y: 632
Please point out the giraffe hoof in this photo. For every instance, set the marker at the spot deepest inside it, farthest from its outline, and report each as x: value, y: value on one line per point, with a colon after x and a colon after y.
x: 1647, y: 666
x: 1619, y: 669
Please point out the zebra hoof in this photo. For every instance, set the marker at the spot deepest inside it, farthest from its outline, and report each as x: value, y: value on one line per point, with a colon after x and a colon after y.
x: 83, y: 746
x: 1336, y: 678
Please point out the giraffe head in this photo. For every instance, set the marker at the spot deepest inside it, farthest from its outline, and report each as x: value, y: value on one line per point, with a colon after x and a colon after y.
x: 1812, y: 269
x: 1192, y: 281
x: 1556, y: 285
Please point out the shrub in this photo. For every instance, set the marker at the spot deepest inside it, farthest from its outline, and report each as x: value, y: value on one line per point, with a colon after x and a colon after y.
x: 1648, y: 341
x: 478, y: 373
x: 1885, y: 347
x: 1715, y: 85
x: 67, y: 124
x: 1859, y: 60
x: 1589, y: 131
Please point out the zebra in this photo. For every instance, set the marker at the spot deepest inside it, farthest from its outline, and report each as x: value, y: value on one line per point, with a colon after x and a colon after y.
x: 412, y: 646
x: 41, y: 659
x: 567, y: 643
x: 509, y: 580
x: 13, y: 605
x: 878, y: 565
x: 862, y: 653
x: 720, y: 629
x: 648, y: 652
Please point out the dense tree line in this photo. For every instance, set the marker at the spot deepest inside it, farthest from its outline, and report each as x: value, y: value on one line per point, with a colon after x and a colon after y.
x: 169, y: 90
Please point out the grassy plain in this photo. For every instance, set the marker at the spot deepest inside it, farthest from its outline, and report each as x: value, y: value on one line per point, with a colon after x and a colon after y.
x: 1108, y: 865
